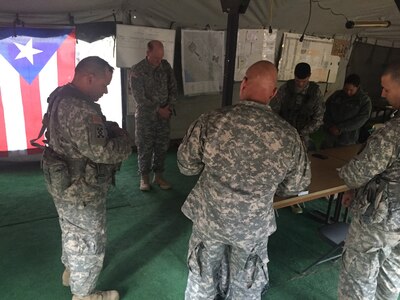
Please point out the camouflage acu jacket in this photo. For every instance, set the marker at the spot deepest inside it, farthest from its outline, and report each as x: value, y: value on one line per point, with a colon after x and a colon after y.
x: 304, y: 109
x: 348, y: 114
x: 245, y: 153
x: 77, y: 130
x: 380, y: 158
x: 152, y: 88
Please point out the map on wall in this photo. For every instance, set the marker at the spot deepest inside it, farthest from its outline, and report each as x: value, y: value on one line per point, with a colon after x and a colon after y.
x: 314, y: 51
x: 202, y: 61
x: 253, y: 45
x: 132, y: 43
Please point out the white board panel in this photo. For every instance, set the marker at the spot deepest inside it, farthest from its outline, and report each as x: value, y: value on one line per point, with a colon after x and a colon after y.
x: 132, y: 43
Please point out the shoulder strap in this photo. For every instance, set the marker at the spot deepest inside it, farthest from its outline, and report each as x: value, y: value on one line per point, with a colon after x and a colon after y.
x: 59, y: 93
x: 46, y: 119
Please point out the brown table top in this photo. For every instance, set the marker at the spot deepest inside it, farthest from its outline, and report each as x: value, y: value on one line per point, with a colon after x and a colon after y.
x: 345, y: 153
x: 325, y: 180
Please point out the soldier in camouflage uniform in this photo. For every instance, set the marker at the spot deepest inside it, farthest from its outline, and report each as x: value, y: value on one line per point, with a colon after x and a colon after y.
x: 346, y: 112
x: 244, y: 153
x: 371, y: 256
x: 154, y: 89
x: 84, y: 151
x: 300, y: 102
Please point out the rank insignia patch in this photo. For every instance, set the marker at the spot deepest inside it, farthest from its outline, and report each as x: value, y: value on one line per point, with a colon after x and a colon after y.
x: 100, y: 132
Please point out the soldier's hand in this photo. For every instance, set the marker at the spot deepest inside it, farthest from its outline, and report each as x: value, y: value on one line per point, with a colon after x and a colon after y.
x: 334, y: 130
x: 119, y: 131
x: 165, y: 112
x: 347, y: 198
x: 114, y: 130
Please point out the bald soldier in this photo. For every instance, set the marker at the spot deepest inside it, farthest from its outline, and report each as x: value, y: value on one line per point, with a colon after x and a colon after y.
x: 154, y: 89
x: 371, y: 256
x: 244, y: 154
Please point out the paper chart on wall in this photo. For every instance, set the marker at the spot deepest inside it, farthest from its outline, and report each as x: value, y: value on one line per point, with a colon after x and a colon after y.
x: 202, y: 61
x: 132, y: 43
x: 253, y: 45
x: 314, y: 51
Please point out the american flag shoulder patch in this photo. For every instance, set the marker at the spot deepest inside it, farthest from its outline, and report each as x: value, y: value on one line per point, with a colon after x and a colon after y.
x: 96, y: 119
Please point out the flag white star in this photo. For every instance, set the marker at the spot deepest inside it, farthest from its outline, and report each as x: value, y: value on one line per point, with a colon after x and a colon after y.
x: 27, y: 51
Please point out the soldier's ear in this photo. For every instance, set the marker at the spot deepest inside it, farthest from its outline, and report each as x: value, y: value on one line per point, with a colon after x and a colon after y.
x: 90, y: 78
x: 242, y: 86
x: 275, y: 90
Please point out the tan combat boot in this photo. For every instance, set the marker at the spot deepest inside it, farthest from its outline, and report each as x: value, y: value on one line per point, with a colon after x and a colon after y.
x: 65, y: 277
x: 161, y: 182
x: 296, y: 209
x: 145, y: 183
x: 106, y: 295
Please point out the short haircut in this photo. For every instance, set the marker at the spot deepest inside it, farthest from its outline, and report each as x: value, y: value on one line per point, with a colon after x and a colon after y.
x: 394, y: 71
x: 94, y: 65
x: 152, y: 43
x: 353, y: 79
x: 302, y: 70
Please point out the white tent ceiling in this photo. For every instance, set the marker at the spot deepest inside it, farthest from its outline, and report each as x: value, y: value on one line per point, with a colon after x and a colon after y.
x: 327, y: 18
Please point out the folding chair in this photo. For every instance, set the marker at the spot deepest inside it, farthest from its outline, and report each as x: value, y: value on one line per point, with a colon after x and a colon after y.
x: 335, y: 234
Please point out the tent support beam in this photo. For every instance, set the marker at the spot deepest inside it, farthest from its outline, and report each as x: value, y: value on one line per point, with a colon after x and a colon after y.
x: 233, y: 8
x: 230, y: 54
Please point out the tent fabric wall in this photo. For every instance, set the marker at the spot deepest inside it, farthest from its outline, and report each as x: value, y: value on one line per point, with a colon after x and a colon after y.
x: 369, y: 62
x: 327, y: 19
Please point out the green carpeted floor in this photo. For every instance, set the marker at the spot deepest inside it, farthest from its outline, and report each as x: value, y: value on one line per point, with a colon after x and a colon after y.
x: 147, y: 241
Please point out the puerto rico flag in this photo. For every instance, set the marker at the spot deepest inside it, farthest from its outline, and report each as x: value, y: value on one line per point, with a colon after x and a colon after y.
x: 33, y: 62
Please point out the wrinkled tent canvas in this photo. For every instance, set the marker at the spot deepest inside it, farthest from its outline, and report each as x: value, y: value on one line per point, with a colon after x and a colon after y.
x: 328, y: 16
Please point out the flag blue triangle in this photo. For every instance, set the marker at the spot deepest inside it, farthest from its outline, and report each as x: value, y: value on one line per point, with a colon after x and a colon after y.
x: 45, y: 42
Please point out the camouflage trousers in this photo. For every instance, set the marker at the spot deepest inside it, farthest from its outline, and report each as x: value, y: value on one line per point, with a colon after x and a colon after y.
x: 370, y: 264
x: 227, y: 272
x: 152, y: 142
x: 83, y: 234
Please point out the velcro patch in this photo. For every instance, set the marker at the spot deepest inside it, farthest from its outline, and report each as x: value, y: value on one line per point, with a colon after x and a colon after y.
x: 96, y: 119
x: 98, y: 134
